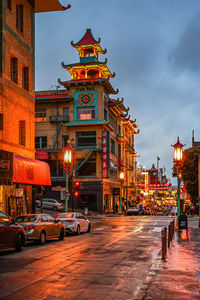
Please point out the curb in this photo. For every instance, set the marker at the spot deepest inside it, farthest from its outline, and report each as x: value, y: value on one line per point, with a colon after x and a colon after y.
x: 153, y: 271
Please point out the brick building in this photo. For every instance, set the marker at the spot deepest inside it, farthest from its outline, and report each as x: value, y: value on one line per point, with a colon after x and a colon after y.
x: 98, y: 126
x: 19, y: 171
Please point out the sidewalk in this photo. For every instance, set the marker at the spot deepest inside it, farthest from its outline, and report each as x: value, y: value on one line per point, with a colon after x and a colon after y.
x: 179, y: 276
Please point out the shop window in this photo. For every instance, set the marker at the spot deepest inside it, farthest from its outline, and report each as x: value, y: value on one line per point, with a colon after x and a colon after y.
x: 86, y: 113
x: 9, y: 4
x: 112, y: 143
x: 65, y: 138
x: 14, y: 69
x: 22, y: 133
x: 86, y: 138
x: 88, y: 168
x: 25, y: 78
x: 1, y: 121
x: 40, y: 142
x: 20, y: 17
x: 40, y: 115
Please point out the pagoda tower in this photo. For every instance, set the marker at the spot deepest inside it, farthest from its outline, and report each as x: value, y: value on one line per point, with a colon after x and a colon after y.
x: 89, y: 70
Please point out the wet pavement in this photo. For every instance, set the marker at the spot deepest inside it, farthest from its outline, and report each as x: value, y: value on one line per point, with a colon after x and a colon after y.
x: 178, y: 277
x: 119, y: 259
x: 111, y: 262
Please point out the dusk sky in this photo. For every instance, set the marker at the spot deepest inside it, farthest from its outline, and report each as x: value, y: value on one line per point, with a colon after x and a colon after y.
x: 153, y: 46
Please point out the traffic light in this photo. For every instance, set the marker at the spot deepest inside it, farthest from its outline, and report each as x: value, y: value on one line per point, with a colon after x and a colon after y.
x: 76, y: 188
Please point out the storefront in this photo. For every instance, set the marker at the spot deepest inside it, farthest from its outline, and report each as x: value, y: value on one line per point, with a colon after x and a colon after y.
x: 18, y: 178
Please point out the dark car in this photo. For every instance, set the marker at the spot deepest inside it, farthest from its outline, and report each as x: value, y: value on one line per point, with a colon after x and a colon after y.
x: 12, y: 235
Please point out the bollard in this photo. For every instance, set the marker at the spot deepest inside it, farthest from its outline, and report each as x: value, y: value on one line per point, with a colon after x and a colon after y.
x: 164, y: 242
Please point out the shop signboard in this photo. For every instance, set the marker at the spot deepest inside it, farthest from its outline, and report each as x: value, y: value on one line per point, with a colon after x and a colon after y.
x: 6, y: 167
x: 104, y: 150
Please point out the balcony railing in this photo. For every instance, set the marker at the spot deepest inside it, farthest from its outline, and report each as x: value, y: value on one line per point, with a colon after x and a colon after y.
x: 59, y: 118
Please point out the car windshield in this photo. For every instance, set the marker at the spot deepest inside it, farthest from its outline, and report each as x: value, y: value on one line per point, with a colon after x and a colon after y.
x: 67, y: 215
x: 26, y: 218
x: 133, y: 206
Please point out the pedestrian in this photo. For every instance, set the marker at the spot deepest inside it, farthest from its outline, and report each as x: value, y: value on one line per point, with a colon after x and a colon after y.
x: 116, y: 208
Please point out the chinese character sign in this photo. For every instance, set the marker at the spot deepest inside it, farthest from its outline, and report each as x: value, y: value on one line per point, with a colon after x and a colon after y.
x: 104, y: 150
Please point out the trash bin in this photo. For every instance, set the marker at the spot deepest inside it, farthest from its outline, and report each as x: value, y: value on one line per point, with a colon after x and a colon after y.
x: 183, y: 222
x: 86, y: 210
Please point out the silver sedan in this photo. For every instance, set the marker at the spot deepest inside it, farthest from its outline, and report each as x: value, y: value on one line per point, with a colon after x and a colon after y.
x: 74, y: 222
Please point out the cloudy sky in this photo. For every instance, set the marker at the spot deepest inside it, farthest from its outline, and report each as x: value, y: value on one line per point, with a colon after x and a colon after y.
x: 154, y: 49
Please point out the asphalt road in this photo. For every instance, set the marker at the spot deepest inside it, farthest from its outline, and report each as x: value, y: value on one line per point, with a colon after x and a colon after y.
x: 111, y: 262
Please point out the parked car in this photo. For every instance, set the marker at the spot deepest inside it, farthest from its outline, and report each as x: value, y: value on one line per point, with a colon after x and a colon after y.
x: 50, y: 203
x: 132, y: 210
x: 74, y: 222
x: 41, y: 227
x: 12, y: 235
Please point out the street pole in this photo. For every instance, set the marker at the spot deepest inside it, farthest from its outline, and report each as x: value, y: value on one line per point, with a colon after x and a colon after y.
x: 120, y: 206
x: 178, y: 196
x: 67, y: 193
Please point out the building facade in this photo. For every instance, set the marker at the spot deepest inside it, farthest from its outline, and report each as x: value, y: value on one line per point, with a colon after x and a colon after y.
x: 98, y: 127
x: 18, y: 167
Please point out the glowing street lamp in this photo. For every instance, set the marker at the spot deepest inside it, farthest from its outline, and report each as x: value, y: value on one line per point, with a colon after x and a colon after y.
x: 67, y: 164
x: 121, y: 177
x: 178, y: 162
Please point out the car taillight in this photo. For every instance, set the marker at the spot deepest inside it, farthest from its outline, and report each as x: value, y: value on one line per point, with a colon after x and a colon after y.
x: 28, y: 227
x: 70, y: 221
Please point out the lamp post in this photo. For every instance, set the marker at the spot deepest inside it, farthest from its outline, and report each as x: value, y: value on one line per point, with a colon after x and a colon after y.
x: 178, y: 162
x: 67, y: 163
x: 121, y: 177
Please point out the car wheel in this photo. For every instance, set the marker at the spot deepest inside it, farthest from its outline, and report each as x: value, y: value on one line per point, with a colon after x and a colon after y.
x: 19, y: 243
x: 42, y: 239
x: 89, y: 227
x: 54, y: 208
x: 62, y: 233
x: 78, y: 230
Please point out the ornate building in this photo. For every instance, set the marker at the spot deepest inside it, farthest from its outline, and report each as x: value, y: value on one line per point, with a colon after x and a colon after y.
x: 98, y: 126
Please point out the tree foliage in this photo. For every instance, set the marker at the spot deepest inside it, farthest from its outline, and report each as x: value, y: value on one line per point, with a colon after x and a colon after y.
x: 189, y: 172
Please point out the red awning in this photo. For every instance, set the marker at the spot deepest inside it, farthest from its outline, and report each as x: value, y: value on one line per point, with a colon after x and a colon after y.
x: 30, y: 171
x: 41, y: 154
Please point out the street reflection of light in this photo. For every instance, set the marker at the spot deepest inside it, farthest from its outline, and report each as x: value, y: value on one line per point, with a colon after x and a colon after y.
x: 184, y: 234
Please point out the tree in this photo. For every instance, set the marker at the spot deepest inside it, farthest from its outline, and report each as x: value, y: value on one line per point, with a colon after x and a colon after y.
x: 189, y: 172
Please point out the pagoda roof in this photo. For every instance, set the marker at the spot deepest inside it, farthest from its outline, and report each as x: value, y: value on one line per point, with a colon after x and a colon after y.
x: 87, y: 41
x: 82, y: 82
x: 94, y: 64
x: 49, y: 5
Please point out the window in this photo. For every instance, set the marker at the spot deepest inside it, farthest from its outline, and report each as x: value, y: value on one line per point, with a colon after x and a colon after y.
x: 25, y: 78
x: 40, y: 115
x: 22, y: 133
x: 105, y: 114
x: 20, y: 17
x: 119, y: 130
x: 112, y: 146
x: 86, y: 138
x: 14, y: 69
x: 65, y: 113
x: 1, y: 121
x: 113, y: 121
x: 40, y: 142
x: 88, y: 168
x: 86, y: 113
x: 9, y: 4
x: 65, y: 138
x: 119, y: 151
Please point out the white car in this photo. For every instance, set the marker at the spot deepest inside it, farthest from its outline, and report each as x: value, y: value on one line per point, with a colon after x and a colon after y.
x: 133, y: 210
x: 50, y: 203
x: 74, y: 222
